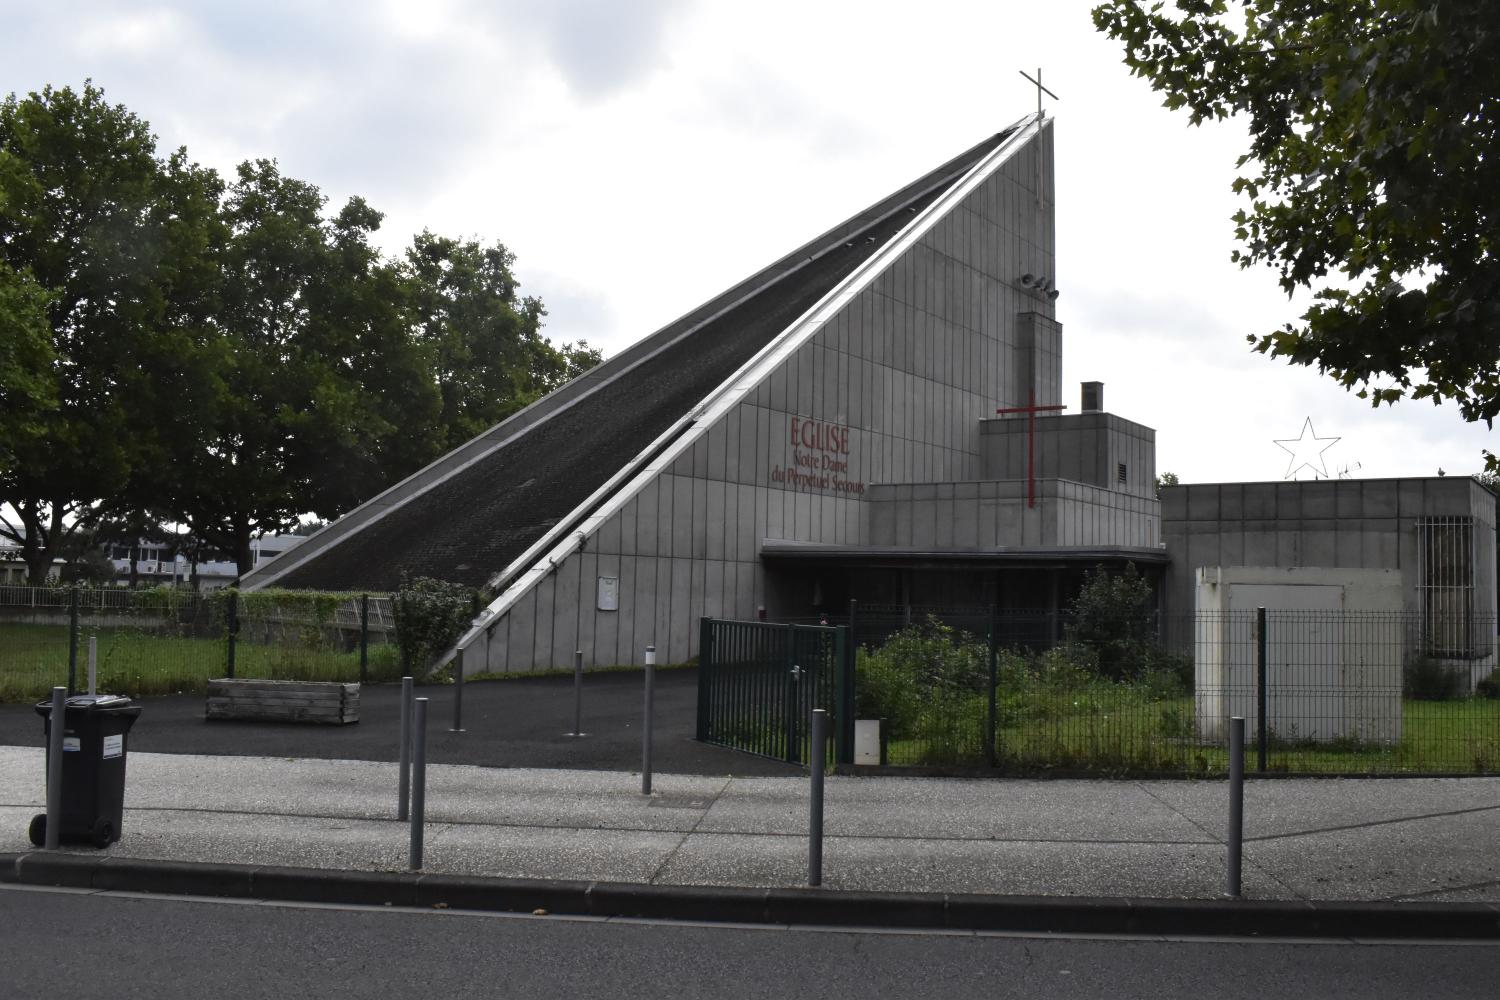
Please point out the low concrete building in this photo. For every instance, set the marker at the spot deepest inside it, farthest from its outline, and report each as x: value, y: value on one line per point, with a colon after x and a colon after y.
x: 1431, y: 543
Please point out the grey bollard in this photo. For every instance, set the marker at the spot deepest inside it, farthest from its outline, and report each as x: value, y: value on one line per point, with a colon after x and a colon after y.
x: 57, y: 722
x: 458, y: 692
x: 646, y: 721
x: 815, y: 817
x: 403, y: 789
x: 93, y: 664
x: 1236, y: 836
x: 418, y: 781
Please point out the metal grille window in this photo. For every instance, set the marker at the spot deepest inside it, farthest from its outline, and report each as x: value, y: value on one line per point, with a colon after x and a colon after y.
x: 1445, y: 577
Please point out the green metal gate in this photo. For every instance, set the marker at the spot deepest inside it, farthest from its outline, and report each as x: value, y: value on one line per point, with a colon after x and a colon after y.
x: 758, y: 684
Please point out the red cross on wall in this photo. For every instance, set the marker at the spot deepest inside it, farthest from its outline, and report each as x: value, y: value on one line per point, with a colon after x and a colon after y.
x: 1031, y: 410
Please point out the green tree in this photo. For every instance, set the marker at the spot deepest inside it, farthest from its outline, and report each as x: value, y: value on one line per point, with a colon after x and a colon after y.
x: 391, y: 409
x: 78, y: 180
x: 320, y: 394
x: 488, y: 356
x: 177, y: 373
x: 1164, y: 480
x: 1371, y: 175
x: 225, y: 358
x: 27, y: 392
x: 1113, y: 617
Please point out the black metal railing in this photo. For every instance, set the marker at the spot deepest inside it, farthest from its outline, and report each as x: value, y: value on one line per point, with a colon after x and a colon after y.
x: 758, y: 684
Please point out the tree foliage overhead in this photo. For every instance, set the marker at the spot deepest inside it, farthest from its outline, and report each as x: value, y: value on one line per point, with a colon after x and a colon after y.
x: 1372, y: 174
x: 27, y: 391
x: 79, y: 182
x: 489, y: 357
x: 226, y: 356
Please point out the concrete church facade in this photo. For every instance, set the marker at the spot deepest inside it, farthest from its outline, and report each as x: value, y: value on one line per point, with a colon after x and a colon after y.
x: 824, y: 430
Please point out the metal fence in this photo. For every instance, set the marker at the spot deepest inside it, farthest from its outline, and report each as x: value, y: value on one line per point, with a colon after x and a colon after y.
x: 163, y: 640
x: 1322, y: 692
x: 758, y: 684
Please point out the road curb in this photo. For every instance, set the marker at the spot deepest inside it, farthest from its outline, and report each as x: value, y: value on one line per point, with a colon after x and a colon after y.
x: 822, y: 907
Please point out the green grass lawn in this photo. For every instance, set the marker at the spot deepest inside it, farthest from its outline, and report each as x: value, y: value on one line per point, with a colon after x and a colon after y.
x: 1123, y: 734
x: 34, y: 658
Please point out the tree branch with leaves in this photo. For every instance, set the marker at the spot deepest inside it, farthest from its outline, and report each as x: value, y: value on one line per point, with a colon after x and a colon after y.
x: 1371, y: 175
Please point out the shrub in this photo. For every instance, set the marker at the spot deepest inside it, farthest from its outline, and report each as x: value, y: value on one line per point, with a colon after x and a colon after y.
x: 1112, y: 617
x: 430, y: 616
x: 1065, y: 668
x: 921, y: 673
x: 1428, y: 679
x: 882, y: 690
x: 1489, y: 686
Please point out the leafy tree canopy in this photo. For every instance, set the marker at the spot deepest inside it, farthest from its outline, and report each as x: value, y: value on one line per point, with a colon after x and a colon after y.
x: 226, y: 356
x: 27, y: 392
x: 78, y: 182
x: 1371, y: 174
x: 488, y: 355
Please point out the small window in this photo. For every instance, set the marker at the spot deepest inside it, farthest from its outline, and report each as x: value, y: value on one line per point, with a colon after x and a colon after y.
x: 1120, y: 472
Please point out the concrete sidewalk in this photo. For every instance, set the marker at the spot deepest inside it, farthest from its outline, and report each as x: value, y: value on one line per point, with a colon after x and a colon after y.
x: 1434, y: 840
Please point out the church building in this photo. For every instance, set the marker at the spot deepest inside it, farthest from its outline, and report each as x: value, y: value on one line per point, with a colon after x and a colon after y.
x: 879, y: 415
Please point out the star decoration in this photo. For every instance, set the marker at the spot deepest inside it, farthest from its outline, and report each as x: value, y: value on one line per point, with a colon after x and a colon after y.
x: 1306, y: 450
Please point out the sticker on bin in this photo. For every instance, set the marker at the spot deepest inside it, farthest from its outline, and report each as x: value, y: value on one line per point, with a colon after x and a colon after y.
x: 71, y: 744
x: 114, y: 746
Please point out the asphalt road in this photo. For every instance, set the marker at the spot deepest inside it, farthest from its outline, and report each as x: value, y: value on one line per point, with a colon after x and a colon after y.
x: 512, y: 723
x: 82, y: 946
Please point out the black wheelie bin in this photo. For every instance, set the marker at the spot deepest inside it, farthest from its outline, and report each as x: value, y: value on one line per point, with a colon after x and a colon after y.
x: 95, y: 729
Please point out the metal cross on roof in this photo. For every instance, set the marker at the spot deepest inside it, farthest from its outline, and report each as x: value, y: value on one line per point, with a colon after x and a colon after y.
x: 1040, y: 114
x: 1040, y: 90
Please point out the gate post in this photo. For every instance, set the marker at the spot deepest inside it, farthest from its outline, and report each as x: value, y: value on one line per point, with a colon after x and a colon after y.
x: 232, y: 624
x: 990, y: 720
x: 793, y: 702
x: 850, y: 671
x: 1262, y: 730
x: 843, y: 694
x: 705, y: 667
x: 73, y: 639
x: 364, y: 638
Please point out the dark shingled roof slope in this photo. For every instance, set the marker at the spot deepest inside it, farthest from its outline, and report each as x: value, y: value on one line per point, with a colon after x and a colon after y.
x: 472, y: 525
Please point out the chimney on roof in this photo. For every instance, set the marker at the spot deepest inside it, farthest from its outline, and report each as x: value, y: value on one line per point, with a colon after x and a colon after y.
x: 1093, y: 397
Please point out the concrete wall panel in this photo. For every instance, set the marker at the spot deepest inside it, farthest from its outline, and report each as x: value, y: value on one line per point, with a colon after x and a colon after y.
x: 521, y: 638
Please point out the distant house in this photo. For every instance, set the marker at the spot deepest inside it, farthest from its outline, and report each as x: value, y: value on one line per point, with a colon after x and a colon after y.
x: 13, y: 567
x: 157, y: 564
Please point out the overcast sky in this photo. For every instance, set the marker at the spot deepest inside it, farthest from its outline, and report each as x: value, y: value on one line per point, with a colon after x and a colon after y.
x: 638, y: 158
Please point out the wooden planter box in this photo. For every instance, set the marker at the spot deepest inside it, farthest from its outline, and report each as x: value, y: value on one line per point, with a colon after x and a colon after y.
x: 328, y: 702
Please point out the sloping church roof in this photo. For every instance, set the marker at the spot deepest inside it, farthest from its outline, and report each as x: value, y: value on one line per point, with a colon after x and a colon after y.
x: 472, y: 515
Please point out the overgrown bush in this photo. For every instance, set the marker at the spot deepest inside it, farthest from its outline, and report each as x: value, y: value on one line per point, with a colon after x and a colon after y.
x: 924, y: 673
x: 1052, y: 708
x: 1112, y: 618
x: 430, y: 616
x: 1489, y: 686
x: 1428, y: 679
